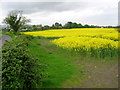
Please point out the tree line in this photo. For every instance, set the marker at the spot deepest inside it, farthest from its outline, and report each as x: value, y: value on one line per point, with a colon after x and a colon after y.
x: 57, y: 25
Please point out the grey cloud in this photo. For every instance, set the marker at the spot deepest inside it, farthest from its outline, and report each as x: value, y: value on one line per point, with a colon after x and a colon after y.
x: 108, y: 17
x: 32, y: 7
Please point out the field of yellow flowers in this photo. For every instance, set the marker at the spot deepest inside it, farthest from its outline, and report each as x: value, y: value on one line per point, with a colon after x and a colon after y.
x: 99, y: 42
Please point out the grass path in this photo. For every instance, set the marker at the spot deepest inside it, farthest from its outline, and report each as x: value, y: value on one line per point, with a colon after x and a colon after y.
x: 65, y: 69
x: 59, y: 68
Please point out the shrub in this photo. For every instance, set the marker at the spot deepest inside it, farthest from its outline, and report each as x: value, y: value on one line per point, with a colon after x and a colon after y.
x: 18, y: 65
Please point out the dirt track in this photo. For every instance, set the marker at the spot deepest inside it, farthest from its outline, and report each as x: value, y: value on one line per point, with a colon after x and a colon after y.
x: 99, y: 74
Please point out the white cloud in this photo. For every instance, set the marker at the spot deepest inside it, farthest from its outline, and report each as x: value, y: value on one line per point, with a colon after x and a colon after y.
x: 63, y: 17
x: 99, y: 12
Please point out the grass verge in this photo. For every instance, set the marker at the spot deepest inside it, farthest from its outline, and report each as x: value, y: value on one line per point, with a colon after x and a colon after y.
x: 59, y: 68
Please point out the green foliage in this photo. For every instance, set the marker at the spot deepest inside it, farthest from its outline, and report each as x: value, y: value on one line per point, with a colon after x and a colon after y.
x: 46, y: 27
x: 56, y: 26
x: 69, y: 25
x: 18, y: 65
x: 15, y: 20
x: 99, y: 53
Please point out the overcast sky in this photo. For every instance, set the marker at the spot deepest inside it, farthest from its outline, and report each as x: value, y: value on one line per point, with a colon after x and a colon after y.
x: 93, y: 12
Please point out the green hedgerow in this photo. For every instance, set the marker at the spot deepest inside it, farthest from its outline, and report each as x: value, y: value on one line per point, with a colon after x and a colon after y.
x: 18, y: 65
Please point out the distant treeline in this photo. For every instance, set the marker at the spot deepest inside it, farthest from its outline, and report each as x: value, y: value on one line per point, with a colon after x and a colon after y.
x: 57, y: 25
x: 68, y: 25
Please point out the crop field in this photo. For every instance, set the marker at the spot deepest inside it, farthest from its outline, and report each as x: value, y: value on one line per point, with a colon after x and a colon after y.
x: 100, y: 42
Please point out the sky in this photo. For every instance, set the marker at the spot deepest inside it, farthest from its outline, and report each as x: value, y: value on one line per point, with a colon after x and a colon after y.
x: 92, y: 12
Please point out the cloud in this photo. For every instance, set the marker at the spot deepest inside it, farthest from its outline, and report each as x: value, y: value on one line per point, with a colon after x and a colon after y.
x: 32, y: 7
x: 65, y: 16
x: 102, y: 12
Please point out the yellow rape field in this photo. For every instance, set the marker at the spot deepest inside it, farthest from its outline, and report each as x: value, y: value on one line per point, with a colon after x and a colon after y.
x: 97, y: 41
x: 85, y: 42
x: 108, y: 33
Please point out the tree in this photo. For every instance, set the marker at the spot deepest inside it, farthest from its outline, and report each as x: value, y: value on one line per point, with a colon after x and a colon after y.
x: 34, y: 27
x: 46, y: 27
x: 74, y: 25
x: 68, y: 25
x: 58, y: 25
x: 53, y: 26
x: 15, y: 20
x: 86, y: 26
x: 80, y: 25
